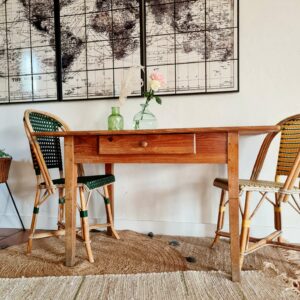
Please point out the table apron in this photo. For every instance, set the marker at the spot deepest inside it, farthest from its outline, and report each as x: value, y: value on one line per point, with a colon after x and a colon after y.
x: 207, y: 148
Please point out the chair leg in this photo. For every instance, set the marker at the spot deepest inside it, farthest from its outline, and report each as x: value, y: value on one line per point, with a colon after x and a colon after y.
x: 220, y: 217
x: 34, y: 220
x: 85, y: 225
x: 61, y: 208
x: 277, y: 217
x: 109, y: 213
x: 81, y: 218
x: 245, y: 231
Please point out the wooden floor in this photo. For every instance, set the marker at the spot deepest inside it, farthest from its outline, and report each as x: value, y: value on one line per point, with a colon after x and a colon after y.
x: 12, y: 236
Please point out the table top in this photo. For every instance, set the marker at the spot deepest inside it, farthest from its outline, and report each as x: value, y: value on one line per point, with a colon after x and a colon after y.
x: 242, y: 130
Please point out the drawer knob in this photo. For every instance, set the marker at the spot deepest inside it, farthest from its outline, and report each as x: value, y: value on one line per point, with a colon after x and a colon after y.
x: 144, y: 144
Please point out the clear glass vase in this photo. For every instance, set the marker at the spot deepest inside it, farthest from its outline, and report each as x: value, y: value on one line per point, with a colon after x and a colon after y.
x: 144, y: 119
x: 115, y: 120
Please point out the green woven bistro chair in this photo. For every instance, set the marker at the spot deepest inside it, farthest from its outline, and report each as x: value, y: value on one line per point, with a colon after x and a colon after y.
x: 288, y: 168
x: 46, y: 155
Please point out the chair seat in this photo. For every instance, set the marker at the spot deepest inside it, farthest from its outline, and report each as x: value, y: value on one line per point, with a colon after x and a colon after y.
x: 256, y: 185
x: 91, y: 182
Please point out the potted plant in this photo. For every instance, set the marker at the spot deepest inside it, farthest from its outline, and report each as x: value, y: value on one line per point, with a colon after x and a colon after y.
x: 5, y: 161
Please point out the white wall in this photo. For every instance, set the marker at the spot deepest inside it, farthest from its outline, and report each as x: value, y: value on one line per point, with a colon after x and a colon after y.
x: 180, y: 199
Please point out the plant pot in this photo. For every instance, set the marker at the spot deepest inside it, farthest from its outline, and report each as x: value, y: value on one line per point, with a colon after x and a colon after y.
x: 4, y: 168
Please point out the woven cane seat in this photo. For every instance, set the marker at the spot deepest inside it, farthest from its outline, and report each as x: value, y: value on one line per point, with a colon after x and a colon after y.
x: 91, y: 182
x: 257, y: 185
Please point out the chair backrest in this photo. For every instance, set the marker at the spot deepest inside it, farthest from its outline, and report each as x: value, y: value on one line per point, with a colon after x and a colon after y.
x: 45, y: 151
x: 289, y: 146
x: 288, y: 162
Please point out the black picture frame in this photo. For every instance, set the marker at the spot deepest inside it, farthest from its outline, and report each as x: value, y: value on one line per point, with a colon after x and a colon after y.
x: 143, y: 61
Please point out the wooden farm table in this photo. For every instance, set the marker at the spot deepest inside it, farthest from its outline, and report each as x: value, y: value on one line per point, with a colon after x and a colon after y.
x: 188, y: 145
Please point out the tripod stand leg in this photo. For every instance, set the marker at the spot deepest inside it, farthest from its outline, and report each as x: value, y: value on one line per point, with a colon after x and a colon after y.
x: 13, y: 200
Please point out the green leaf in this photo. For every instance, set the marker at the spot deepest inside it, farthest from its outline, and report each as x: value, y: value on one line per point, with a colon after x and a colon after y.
x: 3, y: 154
x: 158, y: 99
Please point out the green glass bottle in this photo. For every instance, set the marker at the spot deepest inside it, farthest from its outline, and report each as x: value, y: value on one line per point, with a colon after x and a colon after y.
x: 115, y: 120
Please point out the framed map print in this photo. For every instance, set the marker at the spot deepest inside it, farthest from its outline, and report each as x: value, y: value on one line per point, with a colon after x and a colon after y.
x: 53, y: 50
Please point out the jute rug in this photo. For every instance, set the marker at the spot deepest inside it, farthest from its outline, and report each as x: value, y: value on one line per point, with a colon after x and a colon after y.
x: 137, y: 253
x: 133, y: 253
x: 190, y: 285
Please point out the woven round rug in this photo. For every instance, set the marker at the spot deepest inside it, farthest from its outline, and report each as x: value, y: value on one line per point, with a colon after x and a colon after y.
x: 137, y: 253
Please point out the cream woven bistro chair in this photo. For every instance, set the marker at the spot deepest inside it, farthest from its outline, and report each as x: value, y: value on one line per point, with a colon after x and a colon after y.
x: 46, y: 154
x: 288, y: 167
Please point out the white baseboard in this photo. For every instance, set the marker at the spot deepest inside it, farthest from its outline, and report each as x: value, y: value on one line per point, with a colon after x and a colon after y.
x: 292, y: 234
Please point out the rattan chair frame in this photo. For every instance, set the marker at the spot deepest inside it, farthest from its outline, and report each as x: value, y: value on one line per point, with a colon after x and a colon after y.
x: 285, y: 194
x: 45, y: 184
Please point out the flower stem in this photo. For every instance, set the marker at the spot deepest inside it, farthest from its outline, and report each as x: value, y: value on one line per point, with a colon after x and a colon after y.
x: 149, y: 97
x: 144, y: 108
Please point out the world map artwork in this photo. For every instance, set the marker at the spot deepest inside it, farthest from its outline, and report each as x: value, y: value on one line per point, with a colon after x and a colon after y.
x: 193, y: 43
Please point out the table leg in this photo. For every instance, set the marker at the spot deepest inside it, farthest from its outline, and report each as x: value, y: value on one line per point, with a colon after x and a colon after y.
x: 70, y: 196
x: 109, y: 169
x: 233, y: 193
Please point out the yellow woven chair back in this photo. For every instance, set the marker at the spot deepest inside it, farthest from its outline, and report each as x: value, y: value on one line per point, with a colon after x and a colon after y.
x: 289, y: 146
x: 288, y: 150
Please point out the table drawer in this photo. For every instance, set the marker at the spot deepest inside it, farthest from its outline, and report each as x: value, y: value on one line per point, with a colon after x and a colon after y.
x: 147, y: 144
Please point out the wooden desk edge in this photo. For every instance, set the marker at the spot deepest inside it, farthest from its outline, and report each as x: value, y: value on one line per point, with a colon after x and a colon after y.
x: 242, y: 130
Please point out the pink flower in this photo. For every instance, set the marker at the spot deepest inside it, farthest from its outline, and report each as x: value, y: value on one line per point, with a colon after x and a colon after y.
x: 155, y: 75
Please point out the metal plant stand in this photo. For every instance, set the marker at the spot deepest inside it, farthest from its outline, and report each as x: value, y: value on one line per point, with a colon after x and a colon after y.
x: 14, y: 203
